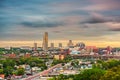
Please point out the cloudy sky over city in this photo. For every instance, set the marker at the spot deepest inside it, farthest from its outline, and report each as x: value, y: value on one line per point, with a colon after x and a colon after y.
x: 84, y: 20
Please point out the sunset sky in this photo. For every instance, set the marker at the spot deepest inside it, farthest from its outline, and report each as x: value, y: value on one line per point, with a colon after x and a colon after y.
x: 95, y: 22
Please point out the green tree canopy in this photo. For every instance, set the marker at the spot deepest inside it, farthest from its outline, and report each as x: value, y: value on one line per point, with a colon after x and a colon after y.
x: 112, y: 74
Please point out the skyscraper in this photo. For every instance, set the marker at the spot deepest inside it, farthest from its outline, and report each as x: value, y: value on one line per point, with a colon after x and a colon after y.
x: 45, y: 41
x: 70, y: 43
x: 60, y: 45
x: 52, y: 45
x: 35, y: 46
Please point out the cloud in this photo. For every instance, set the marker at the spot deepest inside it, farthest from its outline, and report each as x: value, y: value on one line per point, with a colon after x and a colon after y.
x: 103, y: 5
x: 70, y: 19
x: 115, y: 29
x: 99, y: 18
x: 94, y: 20
x: 41, y: 24
x: 56, y: 31
x: 113, y: 26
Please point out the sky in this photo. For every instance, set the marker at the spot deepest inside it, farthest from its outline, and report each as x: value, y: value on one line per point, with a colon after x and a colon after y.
x: 95, y: 22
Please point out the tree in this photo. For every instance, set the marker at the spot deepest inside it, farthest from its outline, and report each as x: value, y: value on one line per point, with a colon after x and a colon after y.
x: 90, y: 74
x: 112, y: 74
x: 8, y: 70
x: 75, y: 63
x: 8, y: 62
x: 1, y: 52
x: 1, y: 71
x: 20, y: 71
x: 106, y: 64
x: 57, y: 61
x: 21, y: 61
x: 33, y: 61
x: 68, y: 58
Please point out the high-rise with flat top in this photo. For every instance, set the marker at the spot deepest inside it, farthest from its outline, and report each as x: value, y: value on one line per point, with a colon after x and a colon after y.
x: 45, y: 41
x: 60, y: 45
x: 35, y: 46
x: 52, y: 45
x: 70, y: 43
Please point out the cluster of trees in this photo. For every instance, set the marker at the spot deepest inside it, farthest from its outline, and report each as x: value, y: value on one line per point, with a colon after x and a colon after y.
x: 8, y: 66
x: 106, y: 64
x: 90, y: 74
x: 102, y: 70
x: 14, y: 50
x: 19, y: 71
x: 2, y: 51
x: 112, y: 74
x: 32, y: 61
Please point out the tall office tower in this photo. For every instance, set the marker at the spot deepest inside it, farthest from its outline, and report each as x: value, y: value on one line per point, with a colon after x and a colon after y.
x: 70, y: 43
x: 60, y: 45
x: 45, y: 41
x: 52, y: 45
x: 35, y: 46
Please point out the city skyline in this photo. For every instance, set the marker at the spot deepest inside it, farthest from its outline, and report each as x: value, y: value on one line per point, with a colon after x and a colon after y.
x: 90, y: 21
x: 102, y: 44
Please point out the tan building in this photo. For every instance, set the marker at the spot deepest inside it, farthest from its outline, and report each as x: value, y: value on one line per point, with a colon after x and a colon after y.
x: 60, y: 45
x: 70, y: 43
x: 45, y: 41
x: 52, y: 45
x: 27, y: 55
x: 35, y: 46
x: 59, y: 57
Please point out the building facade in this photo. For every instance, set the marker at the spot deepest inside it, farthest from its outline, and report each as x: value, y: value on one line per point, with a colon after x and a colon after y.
x: 60, y: 45
x: 52, y: 45
x: 35, y: 46
x: 45, y: 41
x: 70, y: 43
